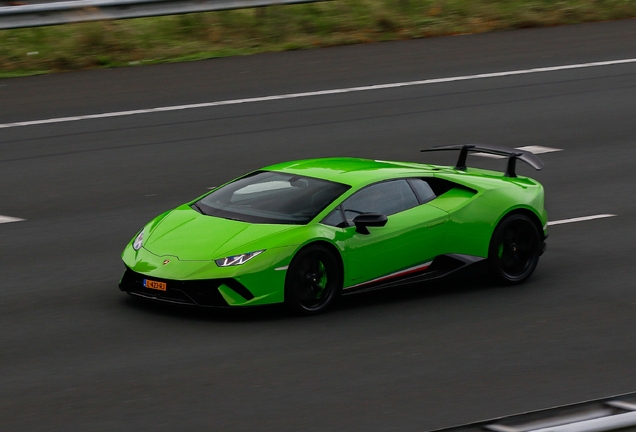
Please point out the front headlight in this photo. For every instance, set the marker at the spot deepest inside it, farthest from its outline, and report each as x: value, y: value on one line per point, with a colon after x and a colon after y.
x: 237, y: 259
x: 139, y: 241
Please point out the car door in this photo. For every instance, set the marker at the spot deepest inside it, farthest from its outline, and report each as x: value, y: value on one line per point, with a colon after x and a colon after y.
x: 413, y: 235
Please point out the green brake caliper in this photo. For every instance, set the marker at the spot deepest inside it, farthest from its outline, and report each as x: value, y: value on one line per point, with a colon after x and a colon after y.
x: 322, y: 283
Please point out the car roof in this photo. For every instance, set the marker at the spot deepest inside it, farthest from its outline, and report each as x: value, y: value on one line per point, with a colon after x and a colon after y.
x: 354, y: 171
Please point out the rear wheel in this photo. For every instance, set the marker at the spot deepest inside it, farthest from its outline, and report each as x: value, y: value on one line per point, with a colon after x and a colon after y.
x: 514, y: 249
x: 313, y: 281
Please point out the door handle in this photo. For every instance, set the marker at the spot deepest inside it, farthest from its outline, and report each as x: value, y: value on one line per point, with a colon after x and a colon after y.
x: 436, y: 222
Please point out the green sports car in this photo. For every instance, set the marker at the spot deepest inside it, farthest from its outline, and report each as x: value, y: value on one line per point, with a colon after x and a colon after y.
x: 302, y: 233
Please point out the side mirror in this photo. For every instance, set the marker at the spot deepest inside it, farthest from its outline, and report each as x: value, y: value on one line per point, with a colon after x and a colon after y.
x: 369, y: 220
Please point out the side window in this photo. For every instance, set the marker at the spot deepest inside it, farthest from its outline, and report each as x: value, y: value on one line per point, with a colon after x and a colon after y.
x: 334, y: 219
x: 386, y: 198
x: 422, y: 189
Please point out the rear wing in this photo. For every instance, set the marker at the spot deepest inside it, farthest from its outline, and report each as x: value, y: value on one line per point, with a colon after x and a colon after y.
x: 512, y: 155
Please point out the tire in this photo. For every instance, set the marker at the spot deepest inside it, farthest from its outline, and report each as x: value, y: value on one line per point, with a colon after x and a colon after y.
x: 514, y: 249
x: 313, y: 280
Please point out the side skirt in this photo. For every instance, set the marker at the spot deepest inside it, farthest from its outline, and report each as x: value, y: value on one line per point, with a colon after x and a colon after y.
x: 442, y: 265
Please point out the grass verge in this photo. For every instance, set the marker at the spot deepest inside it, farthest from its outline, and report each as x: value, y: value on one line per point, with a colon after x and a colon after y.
x: 277, y: 28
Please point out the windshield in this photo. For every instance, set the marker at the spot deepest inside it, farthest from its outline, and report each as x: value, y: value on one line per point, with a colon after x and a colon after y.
x: 271, y: 197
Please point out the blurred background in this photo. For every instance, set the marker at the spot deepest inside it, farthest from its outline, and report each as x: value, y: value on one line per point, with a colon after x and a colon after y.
x: 100, y: 131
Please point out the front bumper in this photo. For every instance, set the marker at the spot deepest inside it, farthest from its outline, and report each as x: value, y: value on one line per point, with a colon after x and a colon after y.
x: 258, y: 282
x: 208, y: 293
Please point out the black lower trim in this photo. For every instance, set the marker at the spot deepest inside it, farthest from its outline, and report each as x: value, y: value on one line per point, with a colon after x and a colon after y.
x: 441, y: 266
x: 192, y: 292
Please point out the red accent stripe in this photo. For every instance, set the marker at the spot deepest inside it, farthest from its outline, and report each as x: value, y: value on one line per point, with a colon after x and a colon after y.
x: 395, y: 275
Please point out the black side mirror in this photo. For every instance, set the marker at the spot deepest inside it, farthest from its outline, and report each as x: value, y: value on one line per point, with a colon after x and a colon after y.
x: 369, y: 219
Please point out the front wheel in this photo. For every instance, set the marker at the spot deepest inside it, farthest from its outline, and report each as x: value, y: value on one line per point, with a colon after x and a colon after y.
x: 514, y: 249
x: 313, y: 281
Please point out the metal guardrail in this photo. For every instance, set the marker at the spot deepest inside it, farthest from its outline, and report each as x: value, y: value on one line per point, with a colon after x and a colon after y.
x: 64, y: 12
x: 608, y: 414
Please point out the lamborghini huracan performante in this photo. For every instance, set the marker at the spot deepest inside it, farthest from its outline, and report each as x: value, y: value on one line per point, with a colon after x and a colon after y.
x: 302, y: 233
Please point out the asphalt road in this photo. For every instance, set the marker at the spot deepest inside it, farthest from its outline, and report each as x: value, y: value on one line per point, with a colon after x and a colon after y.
x: 76, y: 354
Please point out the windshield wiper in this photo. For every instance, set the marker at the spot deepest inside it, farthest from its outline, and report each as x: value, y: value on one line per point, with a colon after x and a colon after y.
x: 199, y: 209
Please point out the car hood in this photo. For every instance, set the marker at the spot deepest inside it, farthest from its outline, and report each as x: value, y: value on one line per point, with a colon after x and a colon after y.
x: 190, y: 235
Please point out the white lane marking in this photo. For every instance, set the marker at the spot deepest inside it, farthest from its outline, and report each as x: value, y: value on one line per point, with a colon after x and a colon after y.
x: 539, y: 149
x: 531, y: 149
x: 580, y: 219
x: 7, y: 219
x: 488, y: 155
x: 318, y: 93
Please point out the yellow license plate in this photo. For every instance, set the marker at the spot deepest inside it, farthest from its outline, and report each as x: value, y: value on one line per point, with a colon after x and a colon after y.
x: 161, y: 286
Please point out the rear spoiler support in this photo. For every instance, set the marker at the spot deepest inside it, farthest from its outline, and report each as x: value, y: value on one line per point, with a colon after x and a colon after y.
x: 512, y: 155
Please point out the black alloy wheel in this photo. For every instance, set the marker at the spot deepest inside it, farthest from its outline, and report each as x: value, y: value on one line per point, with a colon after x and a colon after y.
x: 313, y: 281
x: 514, y: 249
